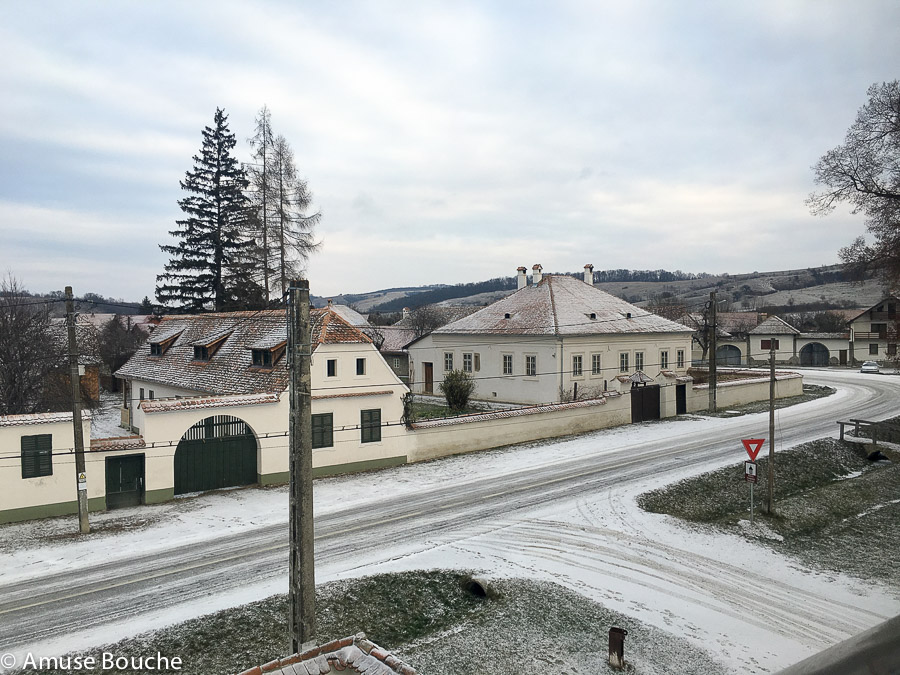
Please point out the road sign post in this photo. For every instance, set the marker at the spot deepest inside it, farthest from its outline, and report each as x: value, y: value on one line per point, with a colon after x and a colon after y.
x: 750, y: 477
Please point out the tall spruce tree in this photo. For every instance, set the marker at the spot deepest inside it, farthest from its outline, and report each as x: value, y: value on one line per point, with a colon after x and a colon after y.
x: 204, y: 267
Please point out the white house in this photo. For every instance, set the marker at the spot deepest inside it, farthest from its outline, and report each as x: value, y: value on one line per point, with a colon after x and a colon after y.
x: 874, y: 332
x: 213, y: 386
x: 553, y: 340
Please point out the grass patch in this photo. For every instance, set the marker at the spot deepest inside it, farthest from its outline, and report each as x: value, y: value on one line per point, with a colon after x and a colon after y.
x: 427, y: 619
x: 834, y: 509
x: 810, y: 393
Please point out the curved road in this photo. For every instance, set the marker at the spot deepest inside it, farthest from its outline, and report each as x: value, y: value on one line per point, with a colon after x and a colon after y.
x: 37, y: 610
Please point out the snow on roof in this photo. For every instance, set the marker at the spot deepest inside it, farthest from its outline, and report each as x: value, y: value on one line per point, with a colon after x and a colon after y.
x: 229, y: 371
x: 118, y: 443
x: 350, y: 315
x: 395, y: 337
x: 40, y: 418
x: 774, y: 326
x: 194, y: 402
x: 355, y: 654
x: 562, y: 305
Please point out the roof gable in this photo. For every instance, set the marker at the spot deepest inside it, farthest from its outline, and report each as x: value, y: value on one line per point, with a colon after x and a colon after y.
x: 774, y: 326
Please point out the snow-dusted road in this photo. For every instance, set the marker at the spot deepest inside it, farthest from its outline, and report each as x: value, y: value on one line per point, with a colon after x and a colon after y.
x: 563, y: 511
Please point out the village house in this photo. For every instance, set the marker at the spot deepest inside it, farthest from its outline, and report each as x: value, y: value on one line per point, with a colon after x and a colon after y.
x: 874, y: 332
x: 556, y: 339
x: 219, y: 382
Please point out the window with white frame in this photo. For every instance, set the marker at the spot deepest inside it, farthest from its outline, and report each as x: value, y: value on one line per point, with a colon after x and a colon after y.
x: 530, y: 365
x: 679, y: 358
x: 448, y: 361
x: 467, y: 362
x: 577, y: 365
x: 639, y: 360
x: 596, y: 367
x: 664, y: 359
x: 623, y: 362
x: 507, y: 364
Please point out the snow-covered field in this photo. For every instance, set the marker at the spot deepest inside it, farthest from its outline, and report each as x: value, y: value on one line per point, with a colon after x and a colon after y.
x: 752, y: 609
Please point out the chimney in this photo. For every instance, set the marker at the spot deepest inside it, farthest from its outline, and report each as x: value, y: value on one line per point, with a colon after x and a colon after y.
x: 536, y: 275
x: 521, y: 278
x: 406, y: 312
x: 329, y: 303
x: 589, y: 274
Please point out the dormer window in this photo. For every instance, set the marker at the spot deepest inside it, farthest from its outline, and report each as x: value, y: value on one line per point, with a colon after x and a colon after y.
x: 205, y: 349
x: 506, y: 316
x: 159, y: 347
x: 262, y: 358
x: 593, y: 315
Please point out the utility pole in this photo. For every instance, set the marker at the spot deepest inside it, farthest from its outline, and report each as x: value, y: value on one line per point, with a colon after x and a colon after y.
x: 302, y: 559
x: 712, y: 351
x: 771, y: 473
x: 84, y: 525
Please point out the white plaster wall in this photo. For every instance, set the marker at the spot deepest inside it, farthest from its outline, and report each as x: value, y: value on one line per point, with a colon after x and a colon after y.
x: 60, y: 486
x: 561, y: 420
x: 492, y: 384
x: 729, y: 394
x: 782, y: 355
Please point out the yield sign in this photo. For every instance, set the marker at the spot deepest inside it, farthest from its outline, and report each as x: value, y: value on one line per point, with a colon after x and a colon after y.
x: 752, y: 446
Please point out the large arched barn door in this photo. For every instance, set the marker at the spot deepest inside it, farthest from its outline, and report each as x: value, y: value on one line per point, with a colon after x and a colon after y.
x: 217, y: 452
x: 814, y: 354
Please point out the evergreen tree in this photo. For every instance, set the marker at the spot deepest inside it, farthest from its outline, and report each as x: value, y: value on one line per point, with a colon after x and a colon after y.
x: 202, y: 269
x: 146, y: 307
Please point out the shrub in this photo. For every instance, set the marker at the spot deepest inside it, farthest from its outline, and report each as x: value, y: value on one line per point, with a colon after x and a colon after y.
x: 457, y: 387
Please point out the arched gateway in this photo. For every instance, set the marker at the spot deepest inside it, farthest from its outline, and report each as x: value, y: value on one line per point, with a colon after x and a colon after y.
x: 814, y: 354
x: 217, y: 452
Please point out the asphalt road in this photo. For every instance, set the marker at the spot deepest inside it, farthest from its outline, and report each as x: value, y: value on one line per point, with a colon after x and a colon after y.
x: 41, y: 609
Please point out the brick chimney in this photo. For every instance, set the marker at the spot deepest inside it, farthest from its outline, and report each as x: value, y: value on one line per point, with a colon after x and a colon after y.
x: 589, y: 274
x: 521, y: 278
x: 536, y: 275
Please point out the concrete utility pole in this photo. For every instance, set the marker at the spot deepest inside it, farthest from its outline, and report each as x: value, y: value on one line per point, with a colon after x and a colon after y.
x: 302, y: 560
x: 712, y: 351
x: 770, y: 508
x: 84, y: 525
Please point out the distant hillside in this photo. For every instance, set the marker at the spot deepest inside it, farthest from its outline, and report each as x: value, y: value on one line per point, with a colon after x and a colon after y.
x: 787, y: 290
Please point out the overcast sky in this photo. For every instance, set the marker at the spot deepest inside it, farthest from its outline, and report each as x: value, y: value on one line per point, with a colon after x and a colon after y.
x: 443, y: 142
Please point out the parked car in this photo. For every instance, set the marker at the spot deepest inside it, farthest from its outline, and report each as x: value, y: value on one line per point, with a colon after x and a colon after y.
x: 869, y: 367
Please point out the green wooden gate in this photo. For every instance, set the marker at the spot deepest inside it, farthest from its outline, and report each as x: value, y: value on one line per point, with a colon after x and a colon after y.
x: 217, y: 452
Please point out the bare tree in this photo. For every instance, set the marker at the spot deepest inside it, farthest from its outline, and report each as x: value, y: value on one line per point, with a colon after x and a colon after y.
x: 261, y: 198
x: 425, y: 319
x: 292, y: 238
x: 864, y: 172
x: 27, y: 351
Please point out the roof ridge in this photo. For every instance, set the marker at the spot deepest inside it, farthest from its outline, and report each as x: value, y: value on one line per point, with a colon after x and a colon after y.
x: 553, y: 304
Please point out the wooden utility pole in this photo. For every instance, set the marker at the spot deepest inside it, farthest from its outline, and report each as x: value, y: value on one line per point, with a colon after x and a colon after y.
x: 84, y: 525
x: 302, y: 559
x: 770, y: 507
x: 712, y: 351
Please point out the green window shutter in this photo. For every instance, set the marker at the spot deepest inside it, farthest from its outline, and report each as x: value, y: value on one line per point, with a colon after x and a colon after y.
x: 37, y: 456
x: 322, y: 431
x: 370, y: 426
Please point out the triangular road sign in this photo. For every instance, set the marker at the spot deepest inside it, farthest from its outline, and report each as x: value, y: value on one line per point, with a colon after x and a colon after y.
x: 753, y: 446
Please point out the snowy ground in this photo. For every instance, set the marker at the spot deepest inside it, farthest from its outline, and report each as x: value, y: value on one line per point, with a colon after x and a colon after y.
x: 105, y: 420
x: 753, y: 609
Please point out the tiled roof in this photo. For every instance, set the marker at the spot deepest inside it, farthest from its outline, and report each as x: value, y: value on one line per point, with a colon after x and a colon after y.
x: 774, y: 326
x: 859, y: 313
x: 395, y: 337
x: 194, y: 402
x: 117, y: 443
x: 445, y: 313
x: 561, y: 305
x: 355, y: 654
x: 39, y: 418
x: 350, y: 315
x: 229, y: 371
x: 826, y: 336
